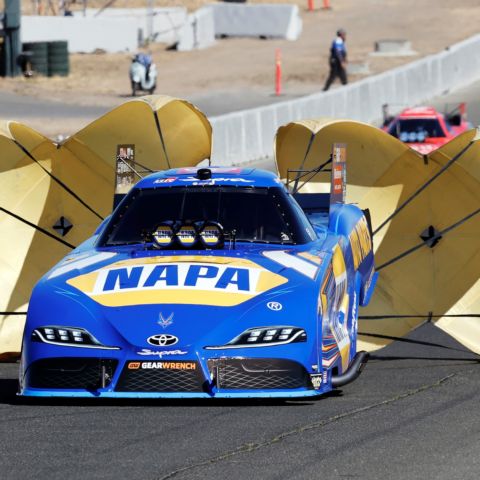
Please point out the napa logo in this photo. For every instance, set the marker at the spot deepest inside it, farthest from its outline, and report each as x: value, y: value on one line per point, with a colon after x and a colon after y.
x: 196, y: 280
x: 206, y: 277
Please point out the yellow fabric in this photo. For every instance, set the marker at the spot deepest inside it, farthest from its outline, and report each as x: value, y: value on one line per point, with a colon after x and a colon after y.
x: 382, y: 173
x: 34, y: 171
x: 25, y: 189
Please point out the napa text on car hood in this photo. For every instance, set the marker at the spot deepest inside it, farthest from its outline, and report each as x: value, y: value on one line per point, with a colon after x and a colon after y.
x: 215, y: 278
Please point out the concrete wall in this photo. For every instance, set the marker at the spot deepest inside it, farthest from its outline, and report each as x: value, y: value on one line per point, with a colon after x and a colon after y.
x: 166, y: 23
x: 121, y: 29
x: 248, y: 135
x: 240, y: 20
x: 198, y: 31
x: 83, y: 34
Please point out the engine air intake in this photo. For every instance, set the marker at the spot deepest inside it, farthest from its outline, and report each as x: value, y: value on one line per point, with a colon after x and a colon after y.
x: 71, y: 373
x: 161, y: 376
x: 258, y: 374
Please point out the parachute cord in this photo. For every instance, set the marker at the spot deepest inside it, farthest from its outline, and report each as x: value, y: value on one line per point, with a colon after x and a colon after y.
x: 383, y: 358
x: 160, y: 134
x: 139, y: 175
x: 36, y: 227
x: 408, y: 340
x: 423, y: 187
x: 310, y: 143
x: 431, y: 316
x: 435, y: 237
x: 310, y: 173
x: 145, y: 169
x: 149, y: 170
x: 53, y: 177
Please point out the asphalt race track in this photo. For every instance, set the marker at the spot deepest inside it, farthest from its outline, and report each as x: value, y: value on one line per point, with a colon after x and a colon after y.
x: 412, y: 414
x: 15, y: 106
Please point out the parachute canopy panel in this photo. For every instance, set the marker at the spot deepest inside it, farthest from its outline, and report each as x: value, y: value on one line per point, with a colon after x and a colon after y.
x: 166, y: 133
x: 425, y: 216
x: 307, y: 144
x: 54, y: 196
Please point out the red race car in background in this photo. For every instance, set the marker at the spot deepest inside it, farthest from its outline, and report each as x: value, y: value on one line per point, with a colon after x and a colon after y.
x: 424, y: 128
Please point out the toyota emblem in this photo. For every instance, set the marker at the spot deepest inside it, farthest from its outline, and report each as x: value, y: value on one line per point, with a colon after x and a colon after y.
x: 275, y: 306
x: 162, y: 340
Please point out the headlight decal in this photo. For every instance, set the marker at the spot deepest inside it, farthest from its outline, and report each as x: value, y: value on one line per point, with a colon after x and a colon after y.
x: 68, y: 337
x: 265, y: 337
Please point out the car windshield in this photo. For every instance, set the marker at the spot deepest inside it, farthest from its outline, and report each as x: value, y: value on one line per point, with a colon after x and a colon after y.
x: 413, y: 130
x: 265, y: 215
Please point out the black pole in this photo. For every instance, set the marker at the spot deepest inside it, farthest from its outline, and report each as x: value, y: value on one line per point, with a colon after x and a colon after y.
x: 11, y: 43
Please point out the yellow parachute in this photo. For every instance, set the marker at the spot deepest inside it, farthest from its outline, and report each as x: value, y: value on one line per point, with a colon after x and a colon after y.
x: 425, y: 212
x: 54, y: 196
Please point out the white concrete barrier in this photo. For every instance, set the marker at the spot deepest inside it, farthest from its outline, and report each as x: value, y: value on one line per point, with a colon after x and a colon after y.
x: 165, y: 23
x: 245, y: 136
x: 393, y: 48
x: 204, y: 26
x: 198, y: 32
x: 240, y: 20
x: 123, y: 29
x: 120, y: 29
x: 84, y: 34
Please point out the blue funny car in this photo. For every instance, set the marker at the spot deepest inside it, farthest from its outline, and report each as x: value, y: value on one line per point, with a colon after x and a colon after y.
x: 206, y: 282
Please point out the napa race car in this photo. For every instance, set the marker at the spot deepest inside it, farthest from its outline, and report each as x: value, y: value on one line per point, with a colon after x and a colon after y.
x: 206, y: 282
x: 424, y: 128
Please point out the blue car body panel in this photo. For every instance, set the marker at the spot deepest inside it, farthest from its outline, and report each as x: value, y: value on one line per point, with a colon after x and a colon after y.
x: 126, y: 297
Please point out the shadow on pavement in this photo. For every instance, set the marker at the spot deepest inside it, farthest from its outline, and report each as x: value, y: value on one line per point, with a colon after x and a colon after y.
x: 9, y: 389
x: 153, y: 402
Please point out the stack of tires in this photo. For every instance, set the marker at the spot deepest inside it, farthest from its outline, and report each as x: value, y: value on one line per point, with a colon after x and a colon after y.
x: 48, y: 58
x: 37, y: 56
x: 58, y: 62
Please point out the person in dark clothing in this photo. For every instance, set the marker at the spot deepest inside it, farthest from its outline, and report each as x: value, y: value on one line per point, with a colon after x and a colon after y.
x: 337, y: 60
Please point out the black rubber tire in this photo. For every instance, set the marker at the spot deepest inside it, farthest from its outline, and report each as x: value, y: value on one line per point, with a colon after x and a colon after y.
x: 58, y: 46
x: 38, y: 52
x: 39, y: 63
x: 40, y: 71
x: 38, y: 56
x: 55, y: 53
x: 58, y: 57
x: 58, y: 65
x: 39, y: 48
